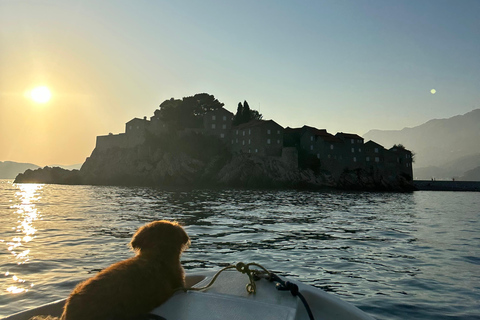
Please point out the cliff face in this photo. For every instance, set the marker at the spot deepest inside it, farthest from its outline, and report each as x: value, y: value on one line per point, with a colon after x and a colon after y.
x: 147, y: 166
x: 137, y: 166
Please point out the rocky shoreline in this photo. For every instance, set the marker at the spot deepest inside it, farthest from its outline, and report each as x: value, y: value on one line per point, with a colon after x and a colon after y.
x: 142, y: 166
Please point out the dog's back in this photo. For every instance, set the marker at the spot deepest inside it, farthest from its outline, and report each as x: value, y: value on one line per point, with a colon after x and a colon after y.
x: 130, y: 288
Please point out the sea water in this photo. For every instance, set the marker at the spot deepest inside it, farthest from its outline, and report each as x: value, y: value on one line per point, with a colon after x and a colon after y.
x: 394, y: 255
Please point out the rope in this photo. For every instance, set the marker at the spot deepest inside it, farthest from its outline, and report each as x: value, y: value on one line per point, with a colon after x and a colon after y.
x: 256, y: 275
x: 293, y: 288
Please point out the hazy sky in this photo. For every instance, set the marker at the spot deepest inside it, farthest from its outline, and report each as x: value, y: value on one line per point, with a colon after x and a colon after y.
x: 342, y: 65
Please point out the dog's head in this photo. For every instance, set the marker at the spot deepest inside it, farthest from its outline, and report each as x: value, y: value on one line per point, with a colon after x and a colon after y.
x: 164, y: 237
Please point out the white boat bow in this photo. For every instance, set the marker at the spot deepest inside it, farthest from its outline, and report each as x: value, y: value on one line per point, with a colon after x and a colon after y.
x: 228, y: 298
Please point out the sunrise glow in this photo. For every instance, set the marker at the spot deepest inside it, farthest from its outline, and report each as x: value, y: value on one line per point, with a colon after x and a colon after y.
x: 40, y: 94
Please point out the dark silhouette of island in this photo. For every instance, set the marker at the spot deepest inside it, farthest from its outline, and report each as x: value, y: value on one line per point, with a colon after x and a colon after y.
x: 196, y: 142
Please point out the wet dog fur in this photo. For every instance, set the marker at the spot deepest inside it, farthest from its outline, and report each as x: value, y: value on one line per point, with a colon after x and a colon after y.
x: 130, y: 288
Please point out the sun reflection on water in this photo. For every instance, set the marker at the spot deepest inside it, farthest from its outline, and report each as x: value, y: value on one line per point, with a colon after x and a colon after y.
x: 25, y: 208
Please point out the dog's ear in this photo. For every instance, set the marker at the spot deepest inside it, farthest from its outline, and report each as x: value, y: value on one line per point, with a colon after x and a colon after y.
x: 162, y: 236
x: 140, y: 238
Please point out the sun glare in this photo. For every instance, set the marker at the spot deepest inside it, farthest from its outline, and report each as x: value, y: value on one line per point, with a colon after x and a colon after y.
x: 40, y: 94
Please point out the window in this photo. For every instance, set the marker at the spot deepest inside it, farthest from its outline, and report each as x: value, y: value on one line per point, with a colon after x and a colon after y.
x: 224, y: 126
x: 249, y: 141
x: 318, y: 155
x: 377, y: 159
x: 331, y: 147
x: 249, y: 151
x: 311, y: 138
x: 268, y: 131
x: 213, y: 117
x: 278, y: 141
x: 268, y: 141
x: 243, y: 142
x: 243, y: 132
x: 311, y: 147
x: 353, y: 150
x: 249, y: 131
x: 236, y: 140
x: 224, y: 118
x: 376, y: 150
x: 236, y: 132
x: 256, y: 150
x: 213, y: 125
x: 222, y: 135
x: 354, y: 159
x: 278, y: 131
x: 359, y: 150
x: 232, y: 141
x: 367, y: 158
x: 353, y: 140
x: 329, y: 156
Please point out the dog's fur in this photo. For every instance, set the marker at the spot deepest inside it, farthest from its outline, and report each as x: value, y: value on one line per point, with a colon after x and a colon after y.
x: 137, y: 285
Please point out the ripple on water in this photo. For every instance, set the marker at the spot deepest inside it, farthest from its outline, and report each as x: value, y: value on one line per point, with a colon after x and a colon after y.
x: 396, y: 256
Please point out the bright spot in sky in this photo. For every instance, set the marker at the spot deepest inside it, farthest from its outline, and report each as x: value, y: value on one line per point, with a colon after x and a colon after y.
x: 433, y: 91
x: 40, y: 94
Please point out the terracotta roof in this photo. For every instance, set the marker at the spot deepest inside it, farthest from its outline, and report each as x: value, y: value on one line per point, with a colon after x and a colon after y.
x: 349, y: 135
x: 329, y: 137
x: 255, y: 123
x: 370, y: 142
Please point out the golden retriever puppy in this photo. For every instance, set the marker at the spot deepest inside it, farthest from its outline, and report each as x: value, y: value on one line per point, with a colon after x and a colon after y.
x: 130, y: 288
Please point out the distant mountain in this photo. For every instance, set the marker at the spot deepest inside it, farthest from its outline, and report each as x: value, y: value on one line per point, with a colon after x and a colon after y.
x: 471, y: 175
x: 455, y: 169
x: 444, y: 148
x: 9, y: 169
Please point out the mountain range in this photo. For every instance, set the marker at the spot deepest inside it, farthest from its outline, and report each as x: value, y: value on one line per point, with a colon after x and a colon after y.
x: 443, y: 148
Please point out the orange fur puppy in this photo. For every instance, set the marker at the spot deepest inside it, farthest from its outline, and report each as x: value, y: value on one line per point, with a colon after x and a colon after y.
x: 137, y: 285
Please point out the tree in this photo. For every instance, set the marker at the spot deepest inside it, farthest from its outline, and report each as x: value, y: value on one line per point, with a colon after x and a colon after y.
x: 245, y: 114
x: 188, y: 112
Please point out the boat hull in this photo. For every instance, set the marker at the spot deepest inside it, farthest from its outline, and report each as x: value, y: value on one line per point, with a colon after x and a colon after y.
x: 228, y: 298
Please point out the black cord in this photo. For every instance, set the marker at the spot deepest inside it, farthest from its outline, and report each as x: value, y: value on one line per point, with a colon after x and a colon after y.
x: 293, y: 288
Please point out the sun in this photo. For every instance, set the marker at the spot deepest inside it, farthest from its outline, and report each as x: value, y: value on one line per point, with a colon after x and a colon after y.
x: 40, y: 94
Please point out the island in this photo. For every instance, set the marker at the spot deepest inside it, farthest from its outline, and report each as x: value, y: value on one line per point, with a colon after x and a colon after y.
x: 196, y: 142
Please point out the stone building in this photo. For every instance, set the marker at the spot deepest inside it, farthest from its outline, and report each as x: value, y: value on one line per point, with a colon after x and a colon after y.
x: 262, y: 137
x: 352, y: 152
x: 218, y: 123
x: 375, y: 154
x: 403, y: 159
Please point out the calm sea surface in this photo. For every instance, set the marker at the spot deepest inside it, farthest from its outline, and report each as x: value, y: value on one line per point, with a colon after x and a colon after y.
x: 395, y: 256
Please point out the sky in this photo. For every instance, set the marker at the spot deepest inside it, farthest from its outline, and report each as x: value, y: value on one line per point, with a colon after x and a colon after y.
x: 340, y: 65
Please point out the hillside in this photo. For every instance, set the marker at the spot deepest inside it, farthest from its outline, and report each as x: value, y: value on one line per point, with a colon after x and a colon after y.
x: 10, y: 169
x: 443, y: 147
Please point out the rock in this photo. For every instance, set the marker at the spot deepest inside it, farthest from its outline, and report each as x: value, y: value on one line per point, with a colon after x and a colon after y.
x: 53, y: 175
